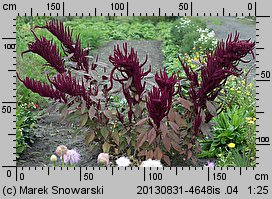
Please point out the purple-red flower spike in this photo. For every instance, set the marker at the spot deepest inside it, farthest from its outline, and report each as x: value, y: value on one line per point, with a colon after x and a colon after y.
x: 165, y: 82
x: 80, y: 56
x: 129, y: 67
x: 43, y: 89
x: 130, y: 75
x: 219, y: 66
x: 64, y: 34
x: 67, y: 84
x: 158, y: 104
x: 48, y: 50
x: 231, y: 52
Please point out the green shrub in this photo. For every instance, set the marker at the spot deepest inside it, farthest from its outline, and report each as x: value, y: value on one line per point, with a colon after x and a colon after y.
x: 192, y: 32
x: 25, y: 123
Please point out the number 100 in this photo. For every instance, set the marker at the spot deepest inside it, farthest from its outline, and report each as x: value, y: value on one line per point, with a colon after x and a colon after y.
x: 117, y: 6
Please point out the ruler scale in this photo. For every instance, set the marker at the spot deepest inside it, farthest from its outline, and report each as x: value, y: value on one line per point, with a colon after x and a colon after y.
x: 132, y: 182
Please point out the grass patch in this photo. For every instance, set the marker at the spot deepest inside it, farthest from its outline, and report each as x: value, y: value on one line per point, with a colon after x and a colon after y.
x: 215, y: 21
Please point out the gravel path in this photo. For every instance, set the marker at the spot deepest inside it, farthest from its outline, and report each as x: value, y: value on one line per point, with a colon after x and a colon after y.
x: 50, y: 133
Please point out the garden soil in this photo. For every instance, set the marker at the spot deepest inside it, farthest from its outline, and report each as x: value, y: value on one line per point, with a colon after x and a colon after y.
x: 51, y: 132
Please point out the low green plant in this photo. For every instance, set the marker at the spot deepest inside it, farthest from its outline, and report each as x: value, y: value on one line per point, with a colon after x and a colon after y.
x: 230, y: 127
x: 236, y: 158
x: 25, y: 123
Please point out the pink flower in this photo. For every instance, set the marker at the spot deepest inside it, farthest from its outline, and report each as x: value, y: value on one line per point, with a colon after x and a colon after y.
x: 36, y: 105
x: 103, y: 159
x: 72, y: 157
x: 61, y: 150
x: 210, y: 164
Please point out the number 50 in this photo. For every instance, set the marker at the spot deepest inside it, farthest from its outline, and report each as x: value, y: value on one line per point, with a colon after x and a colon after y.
x: 183, y: 6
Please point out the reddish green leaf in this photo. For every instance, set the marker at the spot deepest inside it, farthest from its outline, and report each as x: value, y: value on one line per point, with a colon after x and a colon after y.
x: 83, y: 106
x: 89, y: 137
x: 128, y: 138
x: 74, y: 106
x: 92, y: 112
x: 202, y: 115
x: 151, y: 136
x: 115, y: 136
x: 205, y: 128
x: 142, y: 153
x: 185, y: 103
x: 128, y: 83
x: 179, y: 120
x: 106, y: 147
x: 174, y: 137
x: 189, y: 154
x: 108, y: 114
x: 64, y: 113
x: 167, y: 143
x: 140, y: 122
x: 104, y: 132
x: 141, y: 139
x: 137, y: 111
x: 193, y: 160
x: 137, y: 97
x: 211, y: 108
x: 142, y: 106
x: 171, y: 115
x: 183, y: 133
x: 177, y: 147
x: 149, y: 154
x: 129, y: 152
x: 166, y: 160
x: 164, y: 129
x: 83, y: 120
x: 158, y: 153
x: 189, y: 146
x: 174, y: 126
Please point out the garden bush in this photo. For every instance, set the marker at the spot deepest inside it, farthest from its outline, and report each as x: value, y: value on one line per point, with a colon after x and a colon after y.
x: 25, y: 123
x: 148, y: 126
x: 188, y: 33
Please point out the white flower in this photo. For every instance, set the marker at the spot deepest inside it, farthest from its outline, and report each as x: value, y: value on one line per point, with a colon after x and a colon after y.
x: 123, y: 162
x: 103, y: 159
x: 151, y: 163
x: 53, y: 158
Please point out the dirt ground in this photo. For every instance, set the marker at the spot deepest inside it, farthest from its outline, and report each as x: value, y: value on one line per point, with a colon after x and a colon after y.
x: 51, y: 132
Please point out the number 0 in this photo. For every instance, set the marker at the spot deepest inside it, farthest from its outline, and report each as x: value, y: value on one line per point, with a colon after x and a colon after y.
x: 249, y: 6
